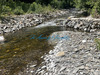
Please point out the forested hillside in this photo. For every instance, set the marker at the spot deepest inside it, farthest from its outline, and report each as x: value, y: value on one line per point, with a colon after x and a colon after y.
x: 17, y: 7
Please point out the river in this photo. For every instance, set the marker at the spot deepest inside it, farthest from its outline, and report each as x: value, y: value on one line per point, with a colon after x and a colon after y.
x: 19, y: 49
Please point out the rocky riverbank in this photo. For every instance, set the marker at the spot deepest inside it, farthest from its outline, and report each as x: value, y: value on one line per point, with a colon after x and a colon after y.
x: 77, y: 56
x: 11, y: 24
x: 88, y: 24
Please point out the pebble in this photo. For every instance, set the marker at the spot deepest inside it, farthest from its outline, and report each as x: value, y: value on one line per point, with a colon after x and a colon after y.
x: 32, y: 71
x: 83, y: 41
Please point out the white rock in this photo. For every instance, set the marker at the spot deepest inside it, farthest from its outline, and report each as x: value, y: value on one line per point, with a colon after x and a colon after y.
x: 32, y: 65
x: 59, y: 54
x: 63, y: 68
x: 83, y: 41
x: 52, y: 64
x: 31, y: 71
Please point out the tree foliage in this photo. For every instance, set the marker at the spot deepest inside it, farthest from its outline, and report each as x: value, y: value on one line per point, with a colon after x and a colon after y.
x: 91, y: 6
x: 31, y: 6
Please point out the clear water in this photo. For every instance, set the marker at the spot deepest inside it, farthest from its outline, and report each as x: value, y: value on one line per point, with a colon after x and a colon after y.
x: 18, y: 49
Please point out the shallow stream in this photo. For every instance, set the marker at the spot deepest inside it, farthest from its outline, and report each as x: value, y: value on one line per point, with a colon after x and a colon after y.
x: 20, y: 49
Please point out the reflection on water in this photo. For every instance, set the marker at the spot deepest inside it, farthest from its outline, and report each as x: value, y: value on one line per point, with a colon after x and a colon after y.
x: 19, y: 49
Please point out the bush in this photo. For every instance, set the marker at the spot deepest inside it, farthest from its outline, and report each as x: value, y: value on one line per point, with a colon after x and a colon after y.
x: 96, y: 10
x: 47, y: 9
x: 92, y: 6
x: 25, y: 6
x: 12, y: 4
x: 33, y: 7
x: 43, y: 2
x: 6, y: 10
x: 18, y: 11
x: 38, y: 8
x: 56, y: 4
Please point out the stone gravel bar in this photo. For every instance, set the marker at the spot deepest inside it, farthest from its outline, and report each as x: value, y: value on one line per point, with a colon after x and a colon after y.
x: 76, y: 56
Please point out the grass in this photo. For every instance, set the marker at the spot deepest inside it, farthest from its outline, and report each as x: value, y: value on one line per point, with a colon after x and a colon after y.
x: 97, y: 40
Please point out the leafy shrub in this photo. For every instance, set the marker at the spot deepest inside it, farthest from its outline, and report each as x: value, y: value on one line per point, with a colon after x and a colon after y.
x: 39, y: 8
x: 47, y: 9
x: 43, y: 2
x: 25, y: 6
x: 56, y: 4
x: 18, y: 11
x: 6, y: 9
x: 11, y: 4
x: 92, y: 6
x: 33, y: 7
x: 96, y: 9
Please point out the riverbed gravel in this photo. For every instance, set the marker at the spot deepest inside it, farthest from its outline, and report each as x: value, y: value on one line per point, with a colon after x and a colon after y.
x: 76, y: 56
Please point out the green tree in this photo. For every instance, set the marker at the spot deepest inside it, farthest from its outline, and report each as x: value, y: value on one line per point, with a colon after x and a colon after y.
x: 56, y: 3
x: 68, y: 3
x: 44, y: 2
x: 96, y: 9
x: 2, y: 2
x: 25, y: 6
x: 11, y: 4
x: 18, y: 10
x: 33, y: 7
x: 6, y: 9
